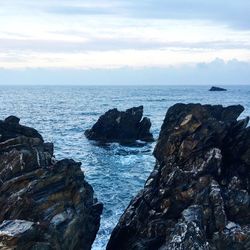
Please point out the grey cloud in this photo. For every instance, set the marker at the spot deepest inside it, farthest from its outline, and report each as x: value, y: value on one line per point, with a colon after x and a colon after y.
x: 233, y: 13
x: 217, y: 72
x: 229, y: 12
x: 78, y: 10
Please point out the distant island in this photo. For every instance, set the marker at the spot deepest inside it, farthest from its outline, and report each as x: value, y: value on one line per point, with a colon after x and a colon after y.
x: 213, y: 88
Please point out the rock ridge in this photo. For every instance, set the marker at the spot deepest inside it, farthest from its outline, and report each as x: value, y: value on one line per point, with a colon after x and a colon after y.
x: 45, y: 204
x: 197, y: 196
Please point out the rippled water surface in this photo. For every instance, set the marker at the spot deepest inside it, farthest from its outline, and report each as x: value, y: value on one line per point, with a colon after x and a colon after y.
x: 117, y: 173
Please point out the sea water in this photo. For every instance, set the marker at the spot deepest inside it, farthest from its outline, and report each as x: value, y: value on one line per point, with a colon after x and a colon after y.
x: 62, y: 114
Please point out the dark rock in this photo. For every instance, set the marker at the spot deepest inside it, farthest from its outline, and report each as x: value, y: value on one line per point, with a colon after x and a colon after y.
x: 12, y: 120
x: 197, y: 197
x: 45, y: 204
x: 121, y: 126
x: 10, y: 128
x: 217, y: 89
x: 15, y: 233
x: 189, y: 231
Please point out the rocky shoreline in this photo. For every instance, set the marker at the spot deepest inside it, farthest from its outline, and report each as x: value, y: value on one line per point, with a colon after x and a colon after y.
x: 45, y: 204
x: 197, y: 196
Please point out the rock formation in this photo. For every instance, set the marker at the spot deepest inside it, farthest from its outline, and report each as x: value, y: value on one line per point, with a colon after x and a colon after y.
x: 217, y: 89
x: 45, y: 204
x: 121, y: 126
x: 197, y: 196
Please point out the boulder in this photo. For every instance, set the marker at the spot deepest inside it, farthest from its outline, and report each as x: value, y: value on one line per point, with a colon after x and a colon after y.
x: 45, y: 204
x: 10, y: 128
x: 197, y: 196
x: 217, y: 89
x: 121, y: 126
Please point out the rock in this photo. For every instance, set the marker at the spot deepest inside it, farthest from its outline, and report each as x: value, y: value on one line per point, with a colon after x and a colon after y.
x: 188, y: 232
x: 12, y: 120
x: 15, y: 233
x: 10, y: 128
x: 217, y: 89
x: 45, y: 204
x: 121, y: 126
x: 197, y: 196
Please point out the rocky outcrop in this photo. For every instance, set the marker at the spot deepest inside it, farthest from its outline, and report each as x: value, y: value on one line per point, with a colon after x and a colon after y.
x: 121, y: 126
x: 45, y: 204
x: 197, y: 196
x: 217, y: 89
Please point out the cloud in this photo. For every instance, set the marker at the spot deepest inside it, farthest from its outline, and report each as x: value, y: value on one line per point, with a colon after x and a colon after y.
x: 118, y: 33
x: 78, y: 10
x: 111, y: 59
x: 105, y: 44
x: 216, y: 72
x: 229, y: 12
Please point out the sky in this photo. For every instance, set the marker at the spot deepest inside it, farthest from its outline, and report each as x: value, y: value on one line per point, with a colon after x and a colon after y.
x: 124, y: 42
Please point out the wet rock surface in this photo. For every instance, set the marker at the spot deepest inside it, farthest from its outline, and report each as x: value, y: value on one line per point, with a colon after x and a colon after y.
x: 121, y: 126
x: 217, y: 89
x: 197, y: 196
x: 45, y: 203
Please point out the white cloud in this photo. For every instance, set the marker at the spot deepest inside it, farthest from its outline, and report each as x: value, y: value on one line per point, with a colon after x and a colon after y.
x: 104, y: 34
x: 119, y: 58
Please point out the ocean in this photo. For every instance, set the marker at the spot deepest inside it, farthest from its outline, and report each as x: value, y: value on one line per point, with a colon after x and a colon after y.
x: 62, y: 114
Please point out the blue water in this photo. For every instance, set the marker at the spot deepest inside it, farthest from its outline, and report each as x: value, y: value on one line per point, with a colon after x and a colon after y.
x: 117, y: 173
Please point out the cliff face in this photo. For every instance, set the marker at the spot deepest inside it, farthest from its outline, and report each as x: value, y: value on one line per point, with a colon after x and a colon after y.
x: 197, y: 197
x: 45, y: 204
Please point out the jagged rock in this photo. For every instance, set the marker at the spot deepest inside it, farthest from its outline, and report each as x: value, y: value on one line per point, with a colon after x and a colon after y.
x: 121, y: 126
x: 45, y: 204
x: 188, y: 233
x: 217, y: 89
x: 10, y: 128
x: 197, y: 196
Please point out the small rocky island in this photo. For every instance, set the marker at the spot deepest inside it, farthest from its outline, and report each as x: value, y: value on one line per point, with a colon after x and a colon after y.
x: 121, y: 126
x: 217, y: 89
x: 197, y: 196
x: 45, y: 204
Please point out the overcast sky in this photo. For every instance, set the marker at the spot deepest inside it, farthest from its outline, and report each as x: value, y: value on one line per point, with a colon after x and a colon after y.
x: 124, y: 41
